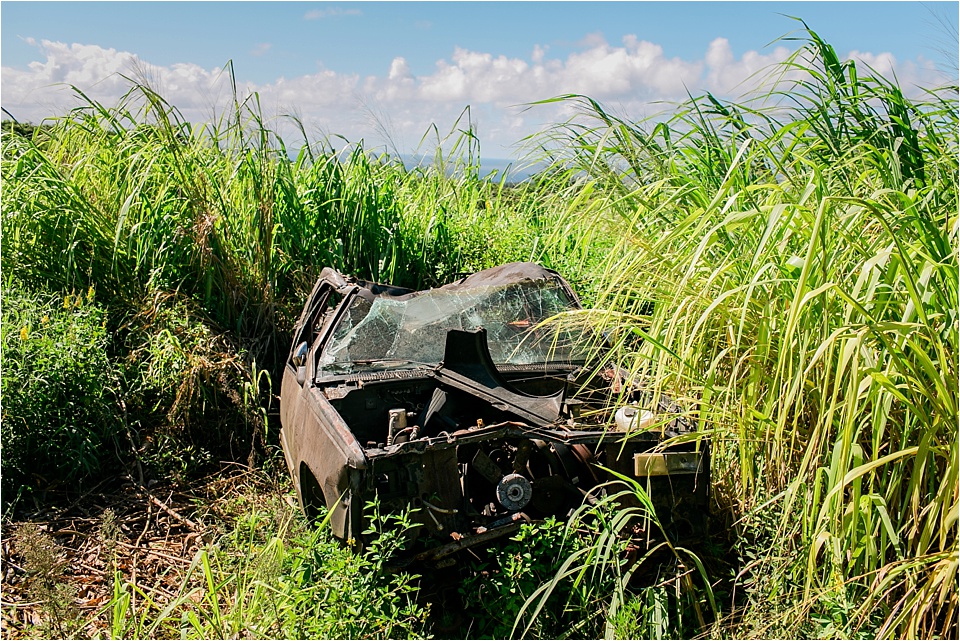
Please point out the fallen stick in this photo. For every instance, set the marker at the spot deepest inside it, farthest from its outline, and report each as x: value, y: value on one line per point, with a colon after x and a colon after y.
x: 150, y: 551
x: 169, y: 510
x: 21, y: 605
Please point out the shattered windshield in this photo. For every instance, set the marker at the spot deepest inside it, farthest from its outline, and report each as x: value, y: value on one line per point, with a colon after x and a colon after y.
x: 392, y: 333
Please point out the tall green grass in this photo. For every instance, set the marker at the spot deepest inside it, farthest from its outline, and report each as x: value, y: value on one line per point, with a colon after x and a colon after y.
x: 785, y: 267
x: 203, y: 241
x: 136, y: 199
x: 799, y: 250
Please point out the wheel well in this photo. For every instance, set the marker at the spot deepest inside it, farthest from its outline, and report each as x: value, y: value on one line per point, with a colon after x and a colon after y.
x: 311, y: 494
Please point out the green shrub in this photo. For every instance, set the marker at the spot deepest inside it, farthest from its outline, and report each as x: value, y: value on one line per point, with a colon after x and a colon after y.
x: 274, y: 575
x: 498, y: 587
x: 182, y: 387
x: 58, y: 391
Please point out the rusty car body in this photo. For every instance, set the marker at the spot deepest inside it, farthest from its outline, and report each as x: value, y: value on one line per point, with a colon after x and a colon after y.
x: 463, y: 403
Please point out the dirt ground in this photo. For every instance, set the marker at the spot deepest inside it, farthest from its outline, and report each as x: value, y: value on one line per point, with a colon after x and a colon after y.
x: 60, y: 565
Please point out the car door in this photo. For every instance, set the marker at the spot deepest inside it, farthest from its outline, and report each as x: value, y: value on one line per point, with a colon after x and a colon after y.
x: 322, y: 455
x: 299, y: 370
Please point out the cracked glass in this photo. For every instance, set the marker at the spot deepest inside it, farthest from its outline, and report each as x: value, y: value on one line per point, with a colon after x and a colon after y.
x: 390, y: 333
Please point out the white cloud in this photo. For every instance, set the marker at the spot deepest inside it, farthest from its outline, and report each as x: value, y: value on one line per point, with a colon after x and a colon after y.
x: 399, y: 70
x: 885, y: 63
x: 638, y: 69
x: 726, y: 74
x: 335, y: 12
x: 538, y: 54
x: 260, y: 49
x: 103, y: 75
x: 628, y: 77
x: 593, y: 39
x: 321, y: 89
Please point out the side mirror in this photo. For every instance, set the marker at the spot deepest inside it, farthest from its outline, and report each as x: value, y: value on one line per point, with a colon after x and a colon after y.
x: 300, y: 354
x: 300, y: 361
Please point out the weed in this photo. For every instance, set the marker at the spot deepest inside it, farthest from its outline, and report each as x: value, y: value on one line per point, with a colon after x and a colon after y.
x: 45, y: 566
x: 59, y: 390
x: 497, y: 588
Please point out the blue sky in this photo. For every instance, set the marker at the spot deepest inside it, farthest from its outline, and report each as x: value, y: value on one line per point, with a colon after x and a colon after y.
x: 359, y: 69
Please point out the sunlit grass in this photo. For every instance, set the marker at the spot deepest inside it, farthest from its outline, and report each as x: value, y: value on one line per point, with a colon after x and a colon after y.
x: 785, y: 268
x: 801, y: 265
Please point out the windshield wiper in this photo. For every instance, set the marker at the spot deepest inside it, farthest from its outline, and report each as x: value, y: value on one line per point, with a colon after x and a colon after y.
x: 389, y: 362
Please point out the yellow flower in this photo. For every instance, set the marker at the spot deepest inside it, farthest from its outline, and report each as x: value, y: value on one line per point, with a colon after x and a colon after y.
x: 45, y: 319
x: 24, y: 332
x: 77, y: 301
x: 90, y: 293
x: 66, y: 301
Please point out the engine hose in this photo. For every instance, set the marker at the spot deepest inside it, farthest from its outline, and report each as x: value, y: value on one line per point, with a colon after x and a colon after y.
x: 439, y: 509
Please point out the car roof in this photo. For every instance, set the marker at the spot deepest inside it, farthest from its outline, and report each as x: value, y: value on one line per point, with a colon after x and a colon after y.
x: 495, y: 276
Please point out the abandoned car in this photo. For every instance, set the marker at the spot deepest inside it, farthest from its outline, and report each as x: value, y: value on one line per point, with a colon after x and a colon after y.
x: 466, y: 404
